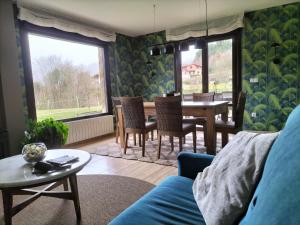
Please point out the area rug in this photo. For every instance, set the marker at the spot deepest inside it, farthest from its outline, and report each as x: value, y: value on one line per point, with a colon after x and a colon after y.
x: 102, y: 197
x: 167, y: 157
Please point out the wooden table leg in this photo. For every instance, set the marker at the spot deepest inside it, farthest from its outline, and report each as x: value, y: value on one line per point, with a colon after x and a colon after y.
x: 121, y: 127
x: 224, y: 117
x: 74, y: 190
x: 211, y: 132
x: 65, y: 184
x: 7, y: 206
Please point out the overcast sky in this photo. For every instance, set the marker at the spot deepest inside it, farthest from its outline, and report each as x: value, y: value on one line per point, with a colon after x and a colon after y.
x: 77, y: 53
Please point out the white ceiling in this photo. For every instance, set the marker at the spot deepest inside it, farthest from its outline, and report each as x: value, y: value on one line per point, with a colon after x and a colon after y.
x: 135, y: 17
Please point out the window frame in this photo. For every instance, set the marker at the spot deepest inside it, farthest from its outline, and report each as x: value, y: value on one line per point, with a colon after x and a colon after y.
x: 236, y: 37
x: 25, y: 29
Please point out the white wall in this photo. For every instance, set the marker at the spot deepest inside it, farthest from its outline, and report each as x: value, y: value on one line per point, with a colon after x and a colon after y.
x: 11, y: 83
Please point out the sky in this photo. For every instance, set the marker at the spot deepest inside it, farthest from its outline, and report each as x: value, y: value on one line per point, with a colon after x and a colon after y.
x: 187, y: 57
x: 78, y: 53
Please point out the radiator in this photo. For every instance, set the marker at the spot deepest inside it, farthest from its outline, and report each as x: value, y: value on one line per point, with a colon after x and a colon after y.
x: 80, y: 130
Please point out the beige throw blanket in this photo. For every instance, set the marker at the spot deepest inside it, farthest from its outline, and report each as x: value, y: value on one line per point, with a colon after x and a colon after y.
x: 224, y: 189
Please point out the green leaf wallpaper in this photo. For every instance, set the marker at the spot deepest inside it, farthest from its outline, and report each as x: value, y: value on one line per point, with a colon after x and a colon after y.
x: 130, y: 74
x: 277, y: 91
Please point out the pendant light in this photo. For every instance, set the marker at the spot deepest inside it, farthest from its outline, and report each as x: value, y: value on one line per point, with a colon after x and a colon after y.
x: 169, y: 49
x: 155, y: 51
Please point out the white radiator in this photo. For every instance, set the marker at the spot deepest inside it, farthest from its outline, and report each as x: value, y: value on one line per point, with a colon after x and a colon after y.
x: 80, y: 130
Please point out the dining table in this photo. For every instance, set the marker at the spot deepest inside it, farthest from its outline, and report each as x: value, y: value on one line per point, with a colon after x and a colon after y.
x: 207, y: 109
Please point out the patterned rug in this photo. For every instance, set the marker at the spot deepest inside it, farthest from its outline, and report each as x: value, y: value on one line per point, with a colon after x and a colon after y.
x: 167, y: 157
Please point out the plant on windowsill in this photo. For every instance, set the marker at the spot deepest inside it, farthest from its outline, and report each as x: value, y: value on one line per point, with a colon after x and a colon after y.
x: 49, y: 131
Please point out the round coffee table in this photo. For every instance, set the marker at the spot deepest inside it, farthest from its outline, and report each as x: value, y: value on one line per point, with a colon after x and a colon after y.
x: 16, y: 178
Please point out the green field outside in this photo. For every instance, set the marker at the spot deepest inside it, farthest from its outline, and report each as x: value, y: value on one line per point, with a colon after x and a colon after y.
x: 58, y: 114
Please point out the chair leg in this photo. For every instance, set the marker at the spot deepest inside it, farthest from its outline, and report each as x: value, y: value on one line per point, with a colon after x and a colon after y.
x: 117, y: 134
x: 152, y: 135
x: 134, y: 139
x: 126, y: 142
x: 172, y: 143
x: 140, y: 142
x: 144, y: 142
x: 159, y: 146
x: 180, y: 144
x: 184, y: 140
x: 224, y: 139
x: 205, y: 135
x: 195, y: 140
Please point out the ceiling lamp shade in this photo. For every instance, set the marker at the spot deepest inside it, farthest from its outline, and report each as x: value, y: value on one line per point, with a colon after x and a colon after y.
x: 169, y: 49
x: 155, y: 51
x: 183, y: 46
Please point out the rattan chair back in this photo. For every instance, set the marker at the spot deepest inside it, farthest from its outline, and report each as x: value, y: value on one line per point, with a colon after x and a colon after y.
x: 133, y: 111
x: 169, y: 113
x: 202, y: 97
x: 240, y: 108
x: 116, y: 101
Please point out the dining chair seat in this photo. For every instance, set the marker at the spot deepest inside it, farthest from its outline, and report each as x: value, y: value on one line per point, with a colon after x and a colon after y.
x: 188, y: 128
x: 225, y: 124
x: 150, y: 126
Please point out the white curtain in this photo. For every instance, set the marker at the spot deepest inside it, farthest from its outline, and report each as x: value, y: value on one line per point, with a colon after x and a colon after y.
x: 47, y: 20
x: 218, y: 26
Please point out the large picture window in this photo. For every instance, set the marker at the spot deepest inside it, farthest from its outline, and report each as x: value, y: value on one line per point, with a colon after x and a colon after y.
x: 215, y: 66
x: 68, y: 77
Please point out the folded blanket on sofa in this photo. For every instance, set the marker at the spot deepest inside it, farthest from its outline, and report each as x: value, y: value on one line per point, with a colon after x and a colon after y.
x: 223, y: 190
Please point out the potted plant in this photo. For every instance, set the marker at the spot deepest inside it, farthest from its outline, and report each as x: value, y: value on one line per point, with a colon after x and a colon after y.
x: 49, y: 131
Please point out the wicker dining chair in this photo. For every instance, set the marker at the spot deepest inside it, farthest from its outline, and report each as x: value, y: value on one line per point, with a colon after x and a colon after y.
x: 134, y: 119
x: 170, y: 122
x: 232, y: 127
x: 201, y: 121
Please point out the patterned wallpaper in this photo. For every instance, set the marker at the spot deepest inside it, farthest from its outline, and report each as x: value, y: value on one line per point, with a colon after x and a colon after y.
x: 130, y: 74
x: 277, y: 91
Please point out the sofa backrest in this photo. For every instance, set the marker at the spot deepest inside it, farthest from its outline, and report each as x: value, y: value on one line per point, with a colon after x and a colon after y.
x: 276, y: 199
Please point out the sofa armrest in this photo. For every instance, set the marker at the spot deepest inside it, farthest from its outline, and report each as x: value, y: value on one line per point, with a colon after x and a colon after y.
x: 190, y: 164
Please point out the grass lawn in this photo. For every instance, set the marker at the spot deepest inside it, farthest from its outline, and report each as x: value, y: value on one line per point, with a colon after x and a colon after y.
x: 58, y: 114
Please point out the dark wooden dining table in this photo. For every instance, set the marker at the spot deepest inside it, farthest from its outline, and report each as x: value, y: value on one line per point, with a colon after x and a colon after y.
x: 207, y: 109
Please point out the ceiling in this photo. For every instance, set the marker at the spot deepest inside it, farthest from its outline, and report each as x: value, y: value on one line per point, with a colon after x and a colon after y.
x: 135, y: 17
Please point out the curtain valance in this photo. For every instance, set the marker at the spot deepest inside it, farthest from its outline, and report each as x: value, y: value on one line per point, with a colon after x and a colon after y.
x: 217, y: 26
x: 47, y: 20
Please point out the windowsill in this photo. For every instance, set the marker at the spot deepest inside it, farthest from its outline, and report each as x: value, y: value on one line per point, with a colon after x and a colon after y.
x: 84, y: 117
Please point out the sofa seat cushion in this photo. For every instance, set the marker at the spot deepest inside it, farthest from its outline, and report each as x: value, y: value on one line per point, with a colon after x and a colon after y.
x: 171, y: 202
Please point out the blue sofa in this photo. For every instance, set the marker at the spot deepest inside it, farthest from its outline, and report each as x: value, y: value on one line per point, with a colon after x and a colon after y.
x: 276, y: 200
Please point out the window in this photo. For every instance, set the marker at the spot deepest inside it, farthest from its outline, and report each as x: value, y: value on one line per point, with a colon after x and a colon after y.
x: 67, y: 77
x: 220, y: 68
x: 191, y: 69
x: 215, y: 67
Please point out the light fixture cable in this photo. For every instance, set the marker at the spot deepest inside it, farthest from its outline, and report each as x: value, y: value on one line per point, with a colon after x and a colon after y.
x: 206, y: 18
x: 154, y: 16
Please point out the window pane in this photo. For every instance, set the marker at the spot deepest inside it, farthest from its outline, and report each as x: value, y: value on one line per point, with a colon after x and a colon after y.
x: 220, y: 68
x: 191, y: 69
x: 68, y: 78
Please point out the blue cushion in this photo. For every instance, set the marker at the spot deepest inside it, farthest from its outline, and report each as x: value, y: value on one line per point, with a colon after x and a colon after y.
x: 172, y: 202
x: 276, y: 200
